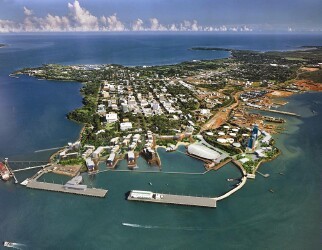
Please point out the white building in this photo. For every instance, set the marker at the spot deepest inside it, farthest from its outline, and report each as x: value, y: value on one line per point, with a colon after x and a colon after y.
x: 125, y: 126
x: 111, y: 117
x: 203, y: 152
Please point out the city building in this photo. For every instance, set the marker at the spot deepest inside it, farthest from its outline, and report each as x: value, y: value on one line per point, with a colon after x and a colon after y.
x: 125, y: 126
x: 111, y: 117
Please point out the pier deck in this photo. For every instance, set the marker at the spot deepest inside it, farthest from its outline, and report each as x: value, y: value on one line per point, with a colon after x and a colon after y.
x: 95, y: 192
x: 181, y: 200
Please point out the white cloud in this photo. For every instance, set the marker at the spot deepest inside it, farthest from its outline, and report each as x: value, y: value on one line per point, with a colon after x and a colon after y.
x: 138, y: 25
x: 80, y: 19
x: 55, y: 23
x: 114, y: 24
x: 7, y: 26
x: 156, y: 26
x: 246, y: 29
x: 194, y: 26
x: 173, y: 27
x: 27, y: 11
x: 223, y: 28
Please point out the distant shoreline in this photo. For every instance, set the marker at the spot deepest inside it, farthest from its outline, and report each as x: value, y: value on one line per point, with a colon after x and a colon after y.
x: 301, y: 48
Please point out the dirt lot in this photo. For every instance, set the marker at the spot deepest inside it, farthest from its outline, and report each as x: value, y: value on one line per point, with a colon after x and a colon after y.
x: 308, y: 85
x: 279, y: 93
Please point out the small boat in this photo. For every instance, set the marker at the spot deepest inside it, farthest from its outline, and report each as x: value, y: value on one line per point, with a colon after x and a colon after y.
x: 7, y: 244
x: 281, y: 173
x: 230, y: 179
x: 271, y: 190
x: 150, y: 183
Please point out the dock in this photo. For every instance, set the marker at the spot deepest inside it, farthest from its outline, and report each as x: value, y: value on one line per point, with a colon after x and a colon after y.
x: 94, y: 192
x: 180, y: 200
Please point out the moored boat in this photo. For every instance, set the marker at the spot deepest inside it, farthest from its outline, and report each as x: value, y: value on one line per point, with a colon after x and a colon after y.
x: 4, y: 172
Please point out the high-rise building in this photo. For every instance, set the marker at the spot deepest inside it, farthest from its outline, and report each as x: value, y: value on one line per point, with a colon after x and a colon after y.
x: 253, y: 138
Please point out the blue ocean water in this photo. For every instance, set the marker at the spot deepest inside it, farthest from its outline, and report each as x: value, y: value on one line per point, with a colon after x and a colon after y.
x: 33, y: 117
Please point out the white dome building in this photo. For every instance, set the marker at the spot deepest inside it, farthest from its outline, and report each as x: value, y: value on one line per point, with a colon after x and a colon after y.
x: 203, y: 152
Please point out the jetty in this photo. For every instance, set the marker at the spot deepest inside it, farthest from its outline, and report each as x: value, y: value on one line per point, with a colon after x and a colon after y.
x: 264, y: 175
x: 177, y: 200
x: 280, y: 112
x: 28, y: 168
x: 95, y: 192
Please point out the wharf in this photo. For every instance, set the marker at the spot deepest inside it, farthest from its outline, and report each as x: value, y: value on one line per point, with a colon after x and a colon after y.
x: 276, y: 111
x: 281, y: 112
x: 180, y: 200
x: 95, y: 192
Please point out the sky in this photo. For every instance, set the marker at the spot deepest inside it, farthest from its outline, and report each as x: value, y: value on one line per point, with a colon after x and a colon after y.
x: 161, y: 15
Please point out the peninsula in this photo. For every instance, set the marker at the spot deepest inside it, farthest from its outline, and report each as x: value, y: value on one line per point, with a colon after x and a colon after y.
x: 211, y: 106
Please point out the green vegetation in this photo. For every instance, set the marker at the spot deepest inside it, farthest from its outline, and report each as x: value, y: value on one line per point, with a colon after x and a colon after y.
x: 161, y: 124
x: 315, y: 76
x: 166, y: 142
x: 75, y: 161
x: 85, y: 114
x: 227, y: 148
x: 249, y: 166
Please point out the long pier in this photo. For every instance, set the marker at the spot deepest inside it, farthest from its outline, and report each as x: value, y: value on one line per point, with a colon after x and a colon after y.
x: 282, y: 112
x: 180, y: 200
x: 95, y: 192
x: 28, y: 168
x: 277, y: 111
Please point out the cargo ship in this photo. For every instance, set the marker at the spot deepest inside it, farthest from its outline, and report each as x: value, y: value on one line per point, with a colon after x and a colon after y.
x: 4, y: 172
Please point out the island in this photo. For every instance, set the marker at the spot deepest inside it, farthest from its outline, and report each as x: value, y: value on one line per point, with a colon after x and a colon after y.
x: 222, y: 110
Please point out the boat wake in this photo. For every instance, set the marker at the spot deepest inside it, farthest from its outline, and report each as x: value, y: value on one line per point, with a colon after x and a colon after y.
x: 167, y: 228
x: 17, y: 246
x: 138, y: 226
x: 47, y: 149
